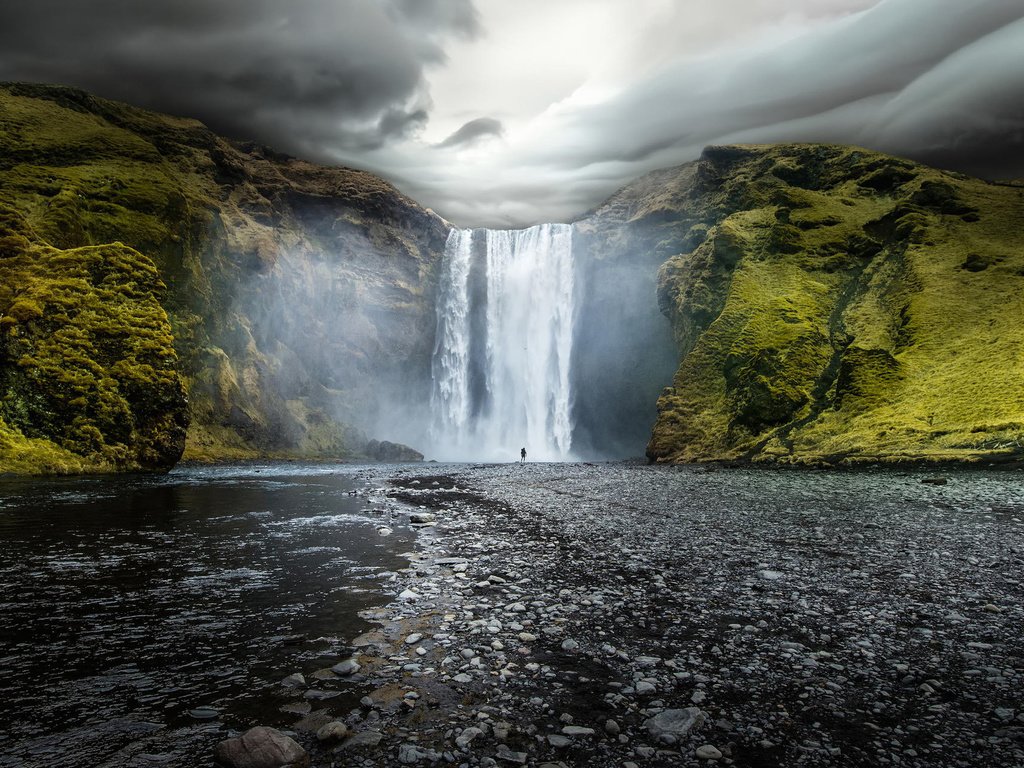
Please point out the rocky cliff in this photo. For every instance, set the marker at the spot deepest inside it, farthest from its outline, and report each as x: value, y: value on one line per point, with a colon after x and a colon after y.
x: 832, y: 305
x: 827, y: 304
x: 142, y: 257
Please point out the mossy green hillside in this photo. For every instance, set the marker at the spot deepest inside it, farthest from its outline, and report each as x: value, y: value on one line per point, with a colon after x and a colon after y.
x: 88, y: 372
x: 275, y: 268
x: 844, y: 306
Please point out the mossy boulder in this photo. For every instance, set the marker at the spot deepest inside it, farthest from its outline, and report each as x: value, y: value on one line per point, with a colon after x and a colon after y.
x: 89, y: 377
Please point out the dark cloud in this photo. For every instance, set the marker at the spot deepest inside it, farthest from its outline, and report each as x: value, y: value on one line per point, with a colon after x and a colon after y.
x: 347, y: 81
x: 310, y: 76
x: 927, y: 79
x: 472, y: 132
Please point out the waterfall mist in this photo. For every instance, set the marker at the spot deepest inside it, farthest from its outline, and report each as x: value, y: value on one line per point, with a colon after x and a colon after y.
x: 501, y: 364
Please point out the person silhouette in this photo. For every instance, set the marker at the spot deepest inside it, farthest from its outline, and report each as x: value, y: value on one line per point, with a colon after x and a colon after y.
x: 522, y: 456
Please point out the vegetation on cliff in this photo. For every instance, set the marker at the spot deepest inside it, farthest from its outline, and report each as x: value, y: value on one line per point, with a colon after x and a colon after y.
x: 88, y: 373
x: 834, y: 305
x: 296, y: 294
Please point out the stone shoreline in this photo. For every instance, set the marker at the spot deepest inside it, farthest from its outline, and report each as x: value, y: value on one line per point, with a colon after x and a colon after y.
x: 560, y: 615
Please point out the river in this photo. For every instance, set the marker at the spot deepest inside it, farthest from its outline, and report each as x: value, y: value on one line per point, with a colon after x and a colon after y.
x: 179, y: 602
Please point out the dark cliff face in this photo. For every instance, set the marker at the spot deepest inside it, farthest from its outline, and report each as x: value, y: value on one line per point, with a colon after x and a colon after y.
x: 624, y: 353
x: 834, y: 305
x: 300, y: 298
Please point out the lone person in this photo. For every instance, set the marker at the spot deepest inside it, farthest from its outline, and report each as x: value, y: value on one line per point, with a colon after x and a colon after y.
x: 522, y: 456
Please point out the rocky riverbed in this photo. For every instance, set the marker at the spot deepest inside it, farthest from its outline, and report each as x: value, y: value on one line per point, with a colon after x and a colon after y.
x: 621, y: 615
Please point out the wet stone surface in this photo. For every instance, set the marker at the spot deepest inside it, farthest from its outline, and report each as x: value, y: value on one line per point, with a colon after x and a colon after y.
x: 575, y: 614
x: 633, y: 615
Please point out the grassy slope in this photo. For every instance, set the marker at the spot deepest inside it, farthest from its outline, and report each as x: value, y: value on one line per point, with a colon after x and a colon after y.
x: 845, y: 307
x: 218, y: 219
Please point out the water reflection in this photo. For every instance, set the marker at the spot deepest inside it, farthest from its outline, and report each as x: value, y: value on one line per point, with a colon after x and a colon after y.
x: 127, y: 600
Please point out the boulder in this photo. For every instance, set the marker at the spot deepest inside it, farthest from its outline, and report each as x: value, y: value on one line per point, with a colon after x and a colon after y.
x: 261, y: 747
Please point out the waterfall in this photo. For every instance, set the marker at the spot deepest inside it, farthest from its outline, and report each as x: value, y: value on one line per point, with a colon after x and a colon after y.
x: 503, y: 345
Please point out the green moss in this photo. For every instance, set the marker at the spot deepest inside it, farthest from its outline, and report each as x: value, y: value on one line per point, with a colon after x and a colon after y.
x: 875, y: 316
x: 88, y: 372
x: 214, y: 218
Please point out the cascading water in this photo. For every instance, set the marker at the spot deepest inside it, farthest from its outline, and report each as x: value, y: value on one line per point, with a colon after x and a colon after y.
x: 504, y: 343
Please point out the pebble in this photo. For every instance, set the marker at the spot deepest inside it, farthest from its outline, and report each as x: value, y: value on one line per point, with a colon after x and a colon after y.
x: 577, y: 730
x: 708, y: 752
x: 650, y: 621
x: 346, y: 667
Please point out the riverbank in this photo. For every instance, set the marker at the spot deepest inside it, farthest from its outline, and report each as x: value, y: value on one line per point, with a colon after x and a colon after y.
x: 617, y: 614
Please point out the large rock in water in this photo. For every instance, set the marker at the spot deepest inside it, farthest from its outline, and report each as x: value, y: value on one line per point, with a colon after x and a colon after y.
x: 298, y: 299
x: 261, y: 747
x: 832, y: 305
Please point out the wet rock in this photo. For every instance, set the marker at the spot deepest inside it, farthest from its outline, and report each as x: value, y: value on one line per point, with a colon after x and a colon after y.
x: 671, y: 725
x: 708, y: 752
x: 408, y: 754
x: 577, y: 731
x: 261, y: 747
x: 294, y: 680
x: 509, y: 756
x: 346, y: 667
x: 362, y: 740
x: 466, y: 737
x: 333, y: 731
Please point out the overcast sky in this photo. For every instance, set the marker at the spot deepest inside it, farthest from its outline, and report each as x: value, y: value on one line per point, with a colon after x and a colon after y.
x: 511, y: 112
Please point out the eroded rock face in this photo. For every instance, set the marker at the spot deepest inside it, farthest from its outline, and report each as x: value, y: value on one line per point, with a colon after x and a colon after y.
x: 833, y: 305
x: 300, y: 297
x: 261, y: 747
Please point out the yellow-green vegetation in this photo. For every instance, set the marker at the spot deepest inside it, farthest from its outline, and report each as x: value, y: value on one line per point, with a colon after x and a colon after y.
x: 841, y: 306
x: 246, y: 242
x: 88, y: 371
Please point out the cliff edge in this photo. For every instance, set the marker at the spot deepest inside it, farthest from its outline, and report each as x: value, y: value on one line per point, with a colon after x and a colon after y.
x: 836, y: 306
x: 144, y: 257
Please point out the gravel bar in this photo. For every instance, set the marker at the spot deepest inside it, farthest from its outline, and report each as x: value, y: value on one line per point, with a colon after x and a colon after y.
x: 632, y: 615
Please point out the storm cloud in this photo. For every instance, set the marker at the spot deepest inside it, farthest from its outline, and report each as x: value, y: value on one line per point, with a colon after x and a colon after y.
x: 307, y: 76
x: 574, y: 99
x: 473, y: 131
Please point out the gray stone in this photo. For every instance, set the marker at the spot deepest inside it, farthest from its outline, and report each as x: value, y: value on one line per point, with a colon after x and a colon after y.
x: 671, y: 725
x: 333, y: 731
x: 295, y: 680
x: 409, y: 755
x: 577, y: 730
x: 346, y: 667
x: 708, y: 752
x: 261, y: 747
x: 466, y: 737
x: 363, y: 740
x: 506, y: 754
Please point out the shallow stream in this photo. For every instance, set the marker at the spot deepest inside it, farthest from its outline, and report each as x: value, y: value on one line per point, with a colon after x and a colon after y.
x: 179, y: 601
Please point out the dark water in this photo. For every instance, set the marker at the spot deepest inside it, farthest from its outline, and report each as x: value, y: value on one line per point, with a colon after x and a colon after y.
x: 127, y: 601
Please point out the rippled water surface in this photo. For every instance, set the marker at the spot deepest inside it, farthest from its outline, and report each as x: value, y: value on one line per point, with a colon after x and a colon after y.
x: 127, y: 603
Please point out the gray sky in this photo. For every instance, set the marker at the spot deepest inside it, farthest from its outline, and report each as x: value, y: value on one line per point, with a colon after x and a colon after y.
x: 502, y: 112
